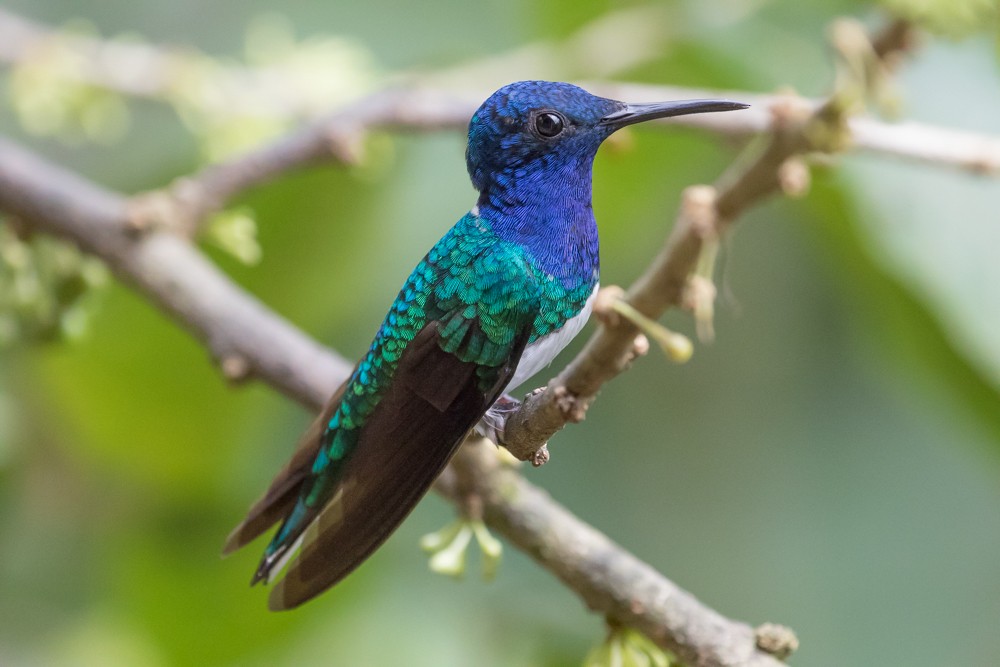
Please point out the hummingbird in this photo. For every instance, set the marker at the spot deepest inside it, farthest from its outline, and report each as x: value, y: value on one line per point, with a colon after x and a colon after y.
x: 492, y: 303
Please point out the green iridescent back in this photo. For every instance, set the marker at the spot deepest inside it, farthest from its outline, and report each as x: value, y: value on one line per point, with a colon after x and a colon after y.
x: 470, y: 279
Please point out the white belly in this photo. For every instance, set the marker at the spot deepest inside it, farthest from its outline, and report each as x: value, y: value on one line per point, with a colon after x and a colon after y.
x: 540, y: 354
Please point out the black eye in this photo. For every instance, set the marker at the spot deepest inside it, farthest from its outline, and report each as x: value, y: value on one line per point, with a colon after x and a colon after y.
x: 548, y: 124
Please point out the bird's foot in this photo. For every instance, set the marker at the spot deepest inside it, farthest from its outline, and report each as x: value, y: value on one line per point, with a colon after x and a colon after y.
x: 491, y: 424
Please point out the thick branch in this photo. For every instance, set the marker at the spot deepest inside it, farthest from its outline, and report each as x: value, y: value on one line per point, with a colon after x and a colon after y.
x: 608, y: 578
x: 237, y: 327
x: 242, y: 334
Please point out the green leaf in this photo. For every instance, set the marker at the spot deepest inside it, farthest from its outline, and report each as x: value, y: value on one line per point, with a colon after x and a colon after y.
x: 235, y: 231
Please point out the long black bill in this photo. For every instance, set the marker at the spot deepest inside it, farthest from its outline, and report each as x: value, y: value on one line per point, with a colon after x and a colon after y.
x: 637, y: 113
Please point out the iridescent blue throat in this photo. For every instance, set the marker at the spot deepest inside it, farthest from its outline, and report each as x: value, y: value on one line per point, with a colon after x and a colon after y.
x: 547, y: 211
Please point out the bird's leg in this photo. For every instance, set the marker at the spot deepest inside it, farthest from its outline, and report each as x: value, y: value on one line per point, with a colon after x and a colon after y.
x: 491, y: 425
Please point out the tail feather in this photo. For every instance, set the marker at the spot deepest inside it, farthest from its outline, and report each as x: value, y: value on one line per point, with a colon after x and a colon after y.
x: 405, y: 443
x: 431, y: 404
x: 280, y: 497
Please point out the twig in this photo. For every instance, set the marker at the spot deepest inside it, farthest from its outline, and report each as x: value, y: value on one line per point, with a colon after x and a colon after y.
x: 132, y: 69
x: 336, y: 138
x: 937, y: 146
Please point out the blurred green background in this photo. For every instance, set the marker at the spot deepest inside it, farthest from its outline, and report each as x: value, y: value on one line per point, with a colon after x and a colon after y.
x: 830, y: 462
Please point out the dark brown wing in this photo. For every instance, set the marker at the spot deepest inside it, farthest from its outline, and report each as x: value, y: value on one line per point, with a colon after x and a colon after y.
x: 280, y: 497
x: 432, y: 403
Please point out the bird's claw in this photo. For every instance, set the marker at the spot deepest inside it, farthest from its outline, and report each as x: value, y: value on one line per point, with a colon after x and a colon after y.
x: 491, y: 424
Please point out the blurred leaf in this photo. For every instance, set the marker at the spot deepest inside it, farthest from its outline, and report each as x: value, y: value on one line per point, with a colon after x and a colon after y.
x: 48, y: 289
x: 951, y: 18
x: 928, y: 230
x: 102, y: 638
x: 627, y: 647
x: 911, y: 335
x: 235, y: 231
x: 449, y: 557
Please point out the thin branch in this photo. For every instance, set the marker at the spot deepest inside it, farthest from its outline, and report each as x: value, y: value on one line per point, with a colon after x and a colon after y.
x: 337, y: 138
x: 157, y: 72
x: 935, y: 146
x: 132, y: 69
x: 964, y: 150
x: 613, y: 42
x: 247, y: 338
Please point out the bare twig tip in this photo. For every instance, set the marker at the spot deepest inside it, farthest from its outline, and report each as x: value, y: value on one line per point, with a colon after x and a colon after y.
x: 778, y: 640
x: 573, y: 408
x: 640, y: 347
x: 788, y: 109
x: 698, y: 208
x: 138, y: 219
x: 699, y: 298
x: 677, y: 347
x: 347, y: 145
x: 540, y: 457
x: 794, y: 177
x: 604, y: 309
x: 235, y: 368
x: 156, y: 209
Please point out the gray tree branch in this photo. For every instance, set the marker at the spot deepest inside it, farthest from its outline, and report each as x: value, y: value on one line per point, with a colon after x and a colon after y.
x: 244, y: 337
x: 608, y: 578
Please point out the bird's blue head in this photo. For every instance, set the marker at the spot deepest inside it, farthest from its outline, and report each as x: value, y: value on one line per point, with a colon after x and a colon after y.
x: 531, y: 126
x: 531, y: 152
x: 531, y: 130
